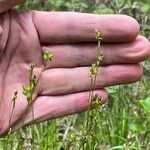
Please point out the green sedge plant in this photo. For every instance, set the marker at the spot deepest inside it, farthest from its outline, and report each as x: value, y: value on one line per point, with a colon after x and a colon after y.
x: 87, y: 129
x: 94, y: 99
x: 29, y: 89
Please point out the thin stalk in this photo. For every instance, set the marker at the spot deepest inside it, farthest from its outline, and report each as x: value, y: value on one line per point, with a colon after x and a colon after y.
x: 29, y: 90
x: 30, y: 103
x: 33, y: 127
x: 13, y: 103
x: 93, y: 75
x: 11, y: 114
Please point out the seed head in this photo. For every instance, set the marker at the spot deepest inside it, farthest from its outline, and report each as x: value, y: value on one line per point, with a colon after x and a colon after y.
x: 47, y: 56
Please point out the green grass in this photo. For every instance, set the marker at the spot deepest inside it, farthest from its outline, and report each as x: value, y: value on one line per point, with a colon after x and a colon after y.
x: 123, y: 123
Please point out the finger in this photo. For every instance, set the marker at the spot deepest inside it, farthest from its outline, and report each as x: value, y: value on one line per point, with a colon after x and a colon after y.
x: 7, y: 4
x: 77, y: 55
x: 66, y: 81
x: 64, y: 27
x: 50, y: 107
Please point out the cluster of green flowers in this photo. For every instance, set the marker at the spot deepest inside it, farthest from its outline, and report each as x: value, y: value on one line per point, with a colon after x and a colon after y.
x: 93, y: 70
x: 28, y: 90
x: 99, y: 57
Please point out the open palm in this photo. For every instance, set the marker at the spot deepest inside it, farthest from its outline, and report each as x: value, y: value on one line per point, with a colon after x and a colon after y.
x: 64, y: 85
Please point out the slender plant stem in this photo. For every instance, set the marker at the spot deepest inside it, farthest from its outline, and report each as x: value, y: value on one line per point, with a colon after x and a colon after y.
x: 30, y: 103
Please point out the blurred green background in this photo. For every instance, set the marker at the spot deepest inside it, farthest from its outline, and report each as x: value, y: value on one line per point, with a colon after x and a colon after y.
x: 121, y: 124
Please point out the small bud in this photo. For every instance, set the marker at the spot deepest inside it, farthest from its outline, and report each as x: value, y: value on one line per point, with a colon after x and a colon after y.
x: 34, y: 80
x: 47, y: 56
x: 26, y: 90
x: 98, y: 35
x: 14, y: 96
x: 31, y: 65
x: 96, y: 100
x: 72, y: 138
x: 93, y: 70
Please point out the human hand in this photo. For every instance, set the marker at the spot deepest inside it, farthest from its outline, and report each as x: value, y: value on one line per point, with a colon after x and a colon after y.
x: 7, y: 4
x: 64, y: 86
